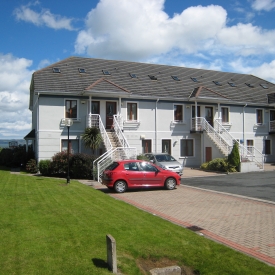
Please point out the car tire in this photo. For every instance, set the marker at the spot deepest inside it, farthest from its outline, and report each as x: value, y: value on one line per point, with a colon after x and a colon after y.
x: 170, y: 184
x: 120, y: 186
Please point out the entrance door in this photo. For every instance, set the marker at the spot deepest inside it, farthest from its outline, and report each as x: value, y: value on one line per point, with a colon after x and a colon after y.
x: 110, y: 112
x: 209, y: 115
x: 166, y: 146
x: 208, y: 154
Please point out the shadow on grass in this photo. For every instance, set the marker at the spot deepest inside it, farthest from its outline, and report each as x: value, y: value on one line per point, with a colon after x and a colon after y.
x: 100, y: 263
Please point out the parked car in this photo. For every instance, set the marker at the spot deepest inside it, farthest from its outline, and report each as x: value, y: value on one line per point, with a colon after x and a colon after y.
x: 124, y: 174
x: 165, y: 161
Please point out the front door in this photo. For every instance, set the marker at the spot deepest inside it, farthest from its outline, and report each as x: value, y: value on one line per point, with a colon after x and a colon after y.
x: 209, y: 115
x: 208, y: 154
x: 110, y: 112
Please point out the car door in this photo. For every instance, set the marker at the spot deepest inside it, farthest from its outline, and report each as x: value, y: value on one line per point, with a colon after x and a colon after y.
x: 133, y: 174
x: 151, y: 175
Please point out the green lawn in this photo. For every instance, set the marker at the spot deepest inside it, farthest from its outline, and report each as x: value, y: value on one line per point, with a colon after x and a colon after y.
x: 48, y: 227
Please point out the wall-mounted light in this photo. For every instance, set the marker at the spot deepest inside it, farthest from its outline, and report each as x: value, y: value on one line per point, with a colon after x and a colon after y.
x: 187, y: 106
x: 142, y: 137
x: 83, y: 101
x: 266, y: 111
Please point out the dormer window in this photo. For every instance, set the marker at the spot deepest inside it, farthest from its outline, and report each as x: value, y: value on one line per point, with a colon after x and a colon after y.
x: 133, y: 75
x: 56, y: 70
x: 218, y: 83
x: 175, y: 77
x: 152, y: 77
x: 232, y: 84
x: 105, y: 72
x: 250, y: 85
x: 194, y: 79
x: 81, y: 70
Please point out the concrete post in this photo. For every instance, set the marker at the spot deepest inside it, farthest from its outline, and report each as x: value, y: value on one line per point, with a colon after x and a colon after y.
x: 111, y: 253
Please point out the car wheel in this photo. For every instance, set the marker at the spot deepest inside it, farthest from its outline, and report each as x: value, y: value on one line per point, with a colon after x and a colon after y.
x: 170, y: 184
x: 120, y: 186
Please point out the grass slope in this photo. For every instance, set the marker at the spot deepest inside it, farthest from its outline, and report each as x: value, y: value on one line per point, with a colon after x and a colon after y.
x: 48, y: 227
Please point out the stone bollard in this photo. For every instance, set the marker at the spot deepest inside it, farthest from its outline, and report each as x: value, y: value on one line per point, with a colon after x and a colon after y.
x: 111, y: 253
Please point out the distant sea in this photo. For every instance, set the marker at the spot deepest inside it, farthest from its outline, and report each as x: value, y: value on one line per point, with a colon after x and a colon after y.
x: 4, y: 143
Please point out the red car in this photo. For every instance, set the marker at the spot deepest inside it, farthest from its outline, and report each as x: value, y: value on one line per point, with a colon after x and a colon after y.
x: 124, y: 174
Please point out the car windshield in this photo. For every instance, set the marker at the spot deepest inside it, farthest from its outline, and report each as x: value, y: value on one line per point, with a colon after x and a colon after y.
x: 164, y: 158
x: 112, y: 166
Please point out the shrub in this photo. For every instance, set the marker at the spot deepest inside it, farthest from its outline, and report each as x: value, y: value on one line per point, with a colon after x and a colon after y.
x: 219, y: 164
x: 31, y: 166
x: 82, y: 166
x: 142, y: 157
x: 45, y: 167
x: 234, y: 156
x: 59, y: 164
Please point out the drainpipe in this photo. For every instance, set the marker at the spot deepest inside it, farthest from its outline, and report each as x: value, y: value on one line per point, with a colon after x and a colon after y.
x: 156, y: 130
x: 37, y: 128
x: 243, y: 123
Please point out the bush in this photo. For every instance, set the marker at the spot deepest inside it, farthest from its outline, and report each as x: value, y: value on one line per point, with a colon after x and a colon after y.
x: 234, y: 156
x: 45, y: 167
x: 142, y: 157
x: 59, y: 164
x: 218, y: 164
x: 31, y: 166
x: 82, y: 166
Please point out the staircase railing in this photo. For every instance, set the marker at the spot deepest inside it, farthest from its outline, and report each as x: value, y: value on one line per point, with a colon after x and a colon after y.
x: 225, y: 141
x: 94, y: 120
x: 119, y: 134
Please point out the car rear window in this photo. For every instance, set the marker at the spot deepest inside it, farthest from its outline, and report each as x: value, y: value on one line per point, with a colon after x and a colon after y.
x: 112, y: 166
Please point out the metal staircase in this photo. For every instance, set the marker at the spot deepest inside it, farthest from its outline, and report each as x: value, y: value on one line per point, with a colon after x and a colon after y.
x: 225, y: 141
x: 116, y: 145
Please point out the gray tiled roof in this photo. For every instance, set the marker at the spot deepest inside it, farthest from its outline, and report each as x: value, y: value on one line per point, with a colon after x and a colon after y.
x: 71, y: 81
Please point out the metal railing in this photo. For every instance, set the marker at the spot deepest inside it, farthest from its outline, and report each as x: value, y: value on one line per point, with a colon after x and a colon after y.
x: 117, y: 129
x: 225, y: 141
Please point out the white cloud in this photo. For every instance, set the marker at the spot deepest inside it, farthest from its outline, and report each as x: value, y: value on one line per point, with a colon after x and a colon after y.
x: 139, y: 30
x: 14, y: 96
x: 45, y: 17
x: 266, y: 5
x: 265, y: 71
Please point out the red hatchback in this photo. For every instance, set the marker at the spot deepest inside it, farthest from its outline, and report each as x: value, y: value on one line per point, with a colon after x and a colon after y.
x: 124, y: 174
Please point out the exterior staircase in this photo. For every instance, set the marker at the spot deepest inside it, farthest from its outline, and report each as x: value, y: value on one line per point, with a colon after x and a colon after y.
x: 224, y: 142
x: 117, y: 148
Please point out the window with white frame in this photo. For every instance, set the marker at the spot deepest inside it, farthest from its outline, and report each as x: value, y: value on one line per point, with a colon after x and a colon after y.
x: 225, y: 114
x: 259, y: 116
x: 178, y: 113
x: 131, y: 111
x: 186, y: 147
x: 71, y: 108
x: 73, y: 146
x: 146, y: 146
x: 250, y: 146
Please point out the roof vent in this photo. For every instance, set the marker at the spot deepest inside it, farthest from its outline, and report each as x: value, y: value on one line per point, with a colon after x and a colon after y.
x: 194, y: 79
x: 218, y: 83
x: 152, y: 77
x: 250, y: 85
x: 105, y: 72
x: 81, y: 70
x: 232, y: 84
x: 175, y: 77
x: 264, y: 86
x: 133, y: 75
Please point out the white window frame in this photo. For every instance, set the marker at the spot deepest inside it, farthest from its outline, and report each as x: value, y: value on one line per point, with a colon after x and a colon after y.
x: 135, y: 102
x: 77, y: 108
x: 193, y: 141
x: 72, y: 140
x: 261, y: 123
x: 178, y: 121
x: 251, y: 152
x: 228, y: 110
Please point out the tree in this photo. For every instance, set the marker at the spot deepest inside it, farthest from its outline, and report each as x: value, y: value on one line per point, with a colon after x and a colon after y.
x: 92, y: 138
x: 234, y: 156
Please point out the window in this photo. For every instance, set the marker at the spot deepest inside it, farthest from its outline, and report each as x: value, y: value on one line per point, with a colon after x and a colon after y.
x: 264, y: 86
x: 71, y: 108
x: 175, y: 77
x: 131, y: 166
x: 250, y: 85
x: 56, y: 70
x: 81, y: 70
x: 232, y: 84
x: 73, y: 146
x: 95, y: 107
x: 267, y: 147
x: 166, y: 146
x: 250, y: 146
x: 178, y: 112
x: 259, y: 116
x: 133, y: 75
x: 131, y: 111
x: 105, y: 72
x: 225, y: 114
x: 146, y: 146
x: 145, y: 166
x: 152, y: 77
x: 218, y: 83
x: 186, y: 147
x: 194, y: 79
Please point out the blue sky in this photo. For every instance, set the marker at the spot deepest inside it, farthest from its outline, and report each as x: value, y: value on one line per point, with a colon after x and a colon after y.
x: 233, y: 35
